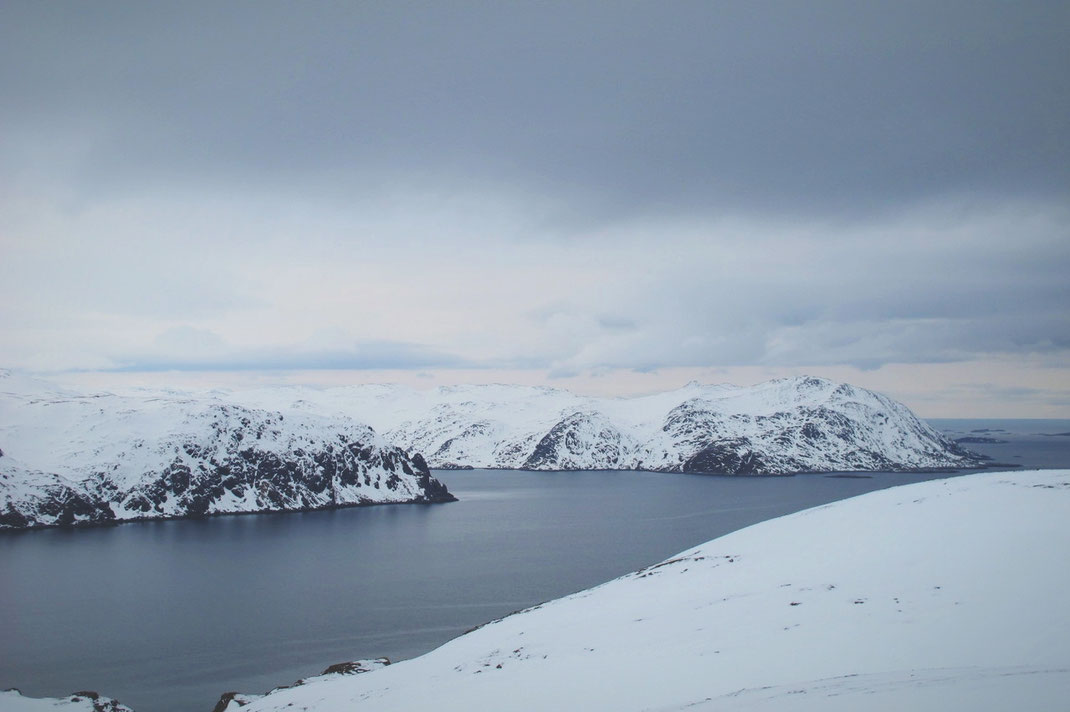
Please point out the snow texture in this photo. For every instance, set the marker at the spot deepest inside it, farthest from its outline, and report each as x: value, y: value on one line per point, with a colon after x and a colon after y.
x: 13, y: 701
x: 944, y: 595
x: 779, y: 427
x: 234, y: 701
x: 70, y: 458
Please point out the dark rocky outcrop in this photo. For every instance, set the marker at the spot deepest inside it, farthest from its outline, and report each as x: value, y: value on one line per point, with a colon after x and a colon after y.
x: 580, y: 441
x: 356, y: 667
x: 726, y: 457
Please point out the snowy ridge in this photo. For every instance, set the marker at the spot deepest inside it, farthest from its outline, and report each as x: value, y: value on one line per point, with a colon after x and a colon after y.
x: 943, y: 595
x: 68, y: 458
x: 778, y: 427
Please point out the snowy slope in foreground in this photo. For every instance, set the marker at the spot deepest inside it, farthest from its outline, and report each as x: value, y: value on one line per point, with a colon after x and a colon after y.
x: 68, y: 458
x: 945, y: 595
x: 782, y: 426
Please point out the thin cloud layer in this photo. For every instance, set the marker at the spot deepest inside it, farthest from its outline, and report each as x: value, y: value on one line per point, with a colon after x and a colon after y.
x: 925, y: 287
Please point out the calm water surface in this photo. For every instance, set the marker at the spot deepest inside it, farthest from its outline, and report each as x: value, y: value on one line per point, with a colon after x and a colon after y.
x: 166, y: 616
x: 1026, y: 442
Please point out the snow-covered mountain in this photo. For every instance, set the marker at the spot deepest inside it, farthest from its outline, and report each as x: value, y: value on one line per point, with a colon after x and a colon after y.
x: 782, y: 426
x: 944, y: 595
x: 69, y: 458
x: 75, y: 458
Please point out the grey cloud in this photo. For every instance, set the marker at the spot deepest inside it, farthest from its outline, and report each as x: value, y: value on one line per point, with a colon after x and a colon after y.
x: 873, y: 343
x: 1052, y: 395
x: 368, y: 355
x: 624, y: 107
x: 616, y: 323
x: 124, y: 265
x: 978, y: 286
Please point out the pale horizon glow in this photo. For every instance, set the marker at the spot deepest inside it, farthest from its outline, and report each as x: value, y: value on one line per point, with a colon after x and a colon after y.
x: 959, y: 390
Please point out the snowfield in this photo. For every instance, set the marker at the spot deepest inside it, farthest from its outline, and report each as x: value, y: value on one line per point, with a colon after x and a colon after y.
x: 944, y: 595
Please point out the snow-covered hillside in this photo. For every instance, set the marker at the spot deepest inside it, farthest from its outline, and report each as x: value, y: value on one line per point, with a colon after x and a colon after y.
x: 69, y: 458
x: 778, y: 427
x: 945, y: 595
x: 13, y: 701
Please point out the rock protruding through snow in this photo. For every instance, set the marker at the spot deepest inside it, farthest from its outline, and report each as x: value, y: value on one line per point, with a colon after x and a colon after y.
x: 779, y: 427
x: 79, y: 459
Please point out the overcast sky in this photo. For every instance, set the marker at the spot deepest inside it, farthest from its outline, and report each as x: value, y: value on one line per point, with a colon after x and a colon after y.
x: 613, y: 197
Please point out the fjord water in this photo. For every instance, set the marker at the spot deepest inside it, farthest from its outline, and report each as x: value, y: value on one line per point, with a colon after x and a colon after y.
x: 1025, y: 442
x: 168, y: 615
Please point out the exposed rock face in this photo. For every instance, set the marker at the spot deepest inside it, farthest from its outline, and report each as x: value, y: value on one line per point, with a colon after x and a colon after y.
x: 582, y: 441
x: 731, y: 456
x: 76, y: 460
x: 780, y: 427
